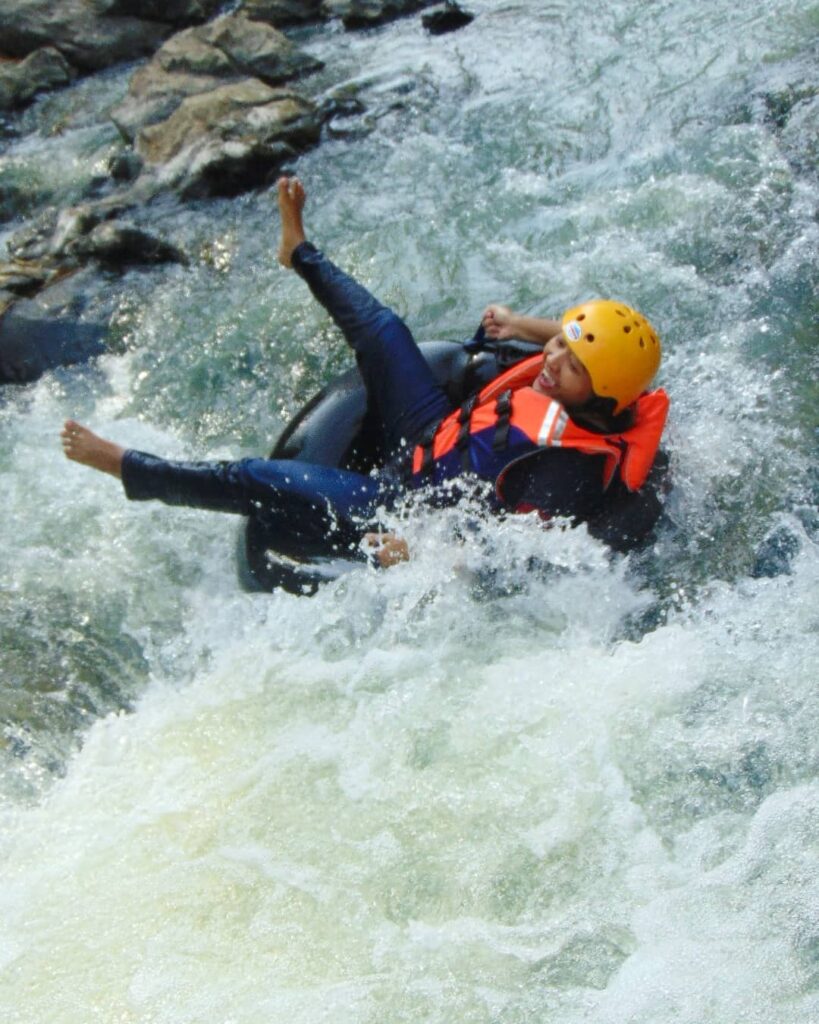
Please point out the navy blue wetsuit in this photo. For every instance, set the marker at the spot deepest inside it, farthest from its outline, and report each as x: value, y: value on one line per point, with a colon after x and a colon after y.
x: 321, y: 510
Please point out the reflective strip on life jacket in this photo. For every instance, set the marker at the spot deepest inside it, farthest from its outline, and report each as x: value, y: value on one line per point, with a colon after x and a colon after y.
x: 554, y: 423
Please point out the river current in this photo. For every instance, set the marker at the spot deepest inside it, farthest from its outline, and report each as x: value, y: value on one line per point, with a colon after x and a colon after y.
x: 516, y: 780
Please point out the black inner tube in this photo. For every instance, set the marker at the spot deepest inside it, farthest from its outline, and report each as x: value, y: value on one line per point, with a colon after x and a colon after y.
x: 335, y: 428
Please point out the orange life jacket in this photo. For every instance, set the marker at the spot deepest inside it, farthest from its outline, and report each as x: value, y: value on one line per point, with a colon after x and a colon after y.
x: 513, y: 421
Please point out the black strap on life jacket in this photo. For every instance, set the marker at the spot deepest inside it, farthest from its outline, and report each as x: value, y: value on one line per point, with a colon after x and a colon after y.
x: 503, y: 412
x: 425, y: 442
x: 462, y: 441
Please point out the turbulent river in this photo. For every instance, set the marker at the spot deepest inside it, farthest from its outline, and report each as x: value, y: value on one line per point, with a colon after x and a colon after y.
x: 513, y: 781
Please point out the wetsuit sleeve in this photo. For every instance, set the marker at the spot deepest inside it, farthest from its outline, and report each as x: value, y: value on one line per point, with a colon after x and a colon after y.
x: 557, y: 482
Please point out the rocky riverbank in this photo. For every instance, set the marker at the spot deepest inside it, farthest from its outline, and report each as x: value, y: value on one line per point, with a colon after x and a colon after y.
x: 215, y: 107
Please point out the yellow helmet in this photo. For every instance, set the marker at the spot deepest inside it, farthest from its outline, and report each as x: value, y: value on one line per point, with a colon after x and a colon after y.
x: 617, y: 345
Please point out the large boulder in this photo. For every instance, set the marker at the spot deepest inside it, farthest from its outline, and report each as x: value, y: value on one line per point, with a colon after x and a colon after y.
x: 20, y: 81
x: 199, y: 60
x: 74, y: 27
x: 229, y: 139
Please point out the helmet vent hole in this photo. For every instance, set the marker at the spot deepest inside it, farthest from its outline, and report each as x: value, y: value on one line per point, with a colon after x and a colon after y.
x: 627, y: 329
x: 642, y: 343
x: 589, y: 337
x: 620, y: 312
x: 581, y: 316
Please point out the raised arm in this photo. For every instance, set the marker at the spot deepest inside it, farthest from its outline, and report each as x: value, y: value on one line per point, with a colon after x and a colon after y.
x: 502, y: 323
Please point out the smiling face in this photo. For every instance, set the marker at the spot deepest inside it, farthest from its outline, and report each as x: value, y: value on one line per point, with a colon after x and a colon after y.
x: 563, y: 377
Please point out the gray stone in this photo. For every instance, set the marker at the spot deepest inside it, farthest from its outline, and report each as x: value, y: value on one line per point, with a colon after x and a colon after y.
x: 42, y: 70
x: 190, y: 52
x: 125, y: 166
x: 258, y: 49
x: 172, y: 12
x: 55, y: 328
x: 153, y: 95
x: 282, y: 12
x: 118, y: 244
x: 89, y: 42
x: 23, y: 278
x: 201, y: 59
x: 229, y: 139
x: 449, y: 17
x: 366, y: 13
x: 30, y: 242
x: 49, y: 237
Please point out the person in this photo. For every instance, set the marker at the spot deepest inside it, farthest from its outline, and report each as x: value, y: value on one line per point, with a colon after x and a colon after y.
x: 553, y: 434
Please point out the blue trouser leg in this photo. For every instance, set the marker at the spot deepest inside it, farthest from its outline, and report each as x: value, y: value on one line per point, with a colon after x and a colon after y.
x: 242, y: 487
x: 398, y: 380
x: 313, y: 508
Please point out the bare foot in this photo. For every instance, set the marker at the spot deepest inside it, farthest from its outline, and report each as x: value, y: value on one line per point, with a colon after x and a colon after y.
x: 291, y: 203
x: 81, y: 445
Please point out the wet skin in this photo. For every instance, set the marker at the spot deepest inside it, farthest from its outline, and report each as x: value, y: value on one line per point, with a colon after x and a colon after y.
x: 563, y: 377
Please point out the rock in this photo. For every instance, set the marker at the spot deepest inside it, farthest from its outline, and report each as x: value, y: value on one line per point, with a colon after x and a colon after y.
x: 72, y: 223
x: 125, y: 166
x: 229, y: 139
x: 30, y: 242
x: 171, y: 12
x: 57, y: 328
x: 365, y: 13
x: 447, y: 18
x: 344, y: 118
x: 230, y: 168
x: 28, y: 350
x: 21, y: 279
x: 88, y: 41
x: 282, y: 12
x: 257, y: 49
x: 116, y: 244
x: 153, y: 95
x: 50, y: 237
x: 42, y: 70
x: 199, y: 60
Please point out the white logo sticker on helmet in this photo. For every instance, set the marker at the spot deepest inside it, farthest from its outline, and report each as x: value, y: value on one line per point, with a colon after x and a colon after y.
x: 573, y: 330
